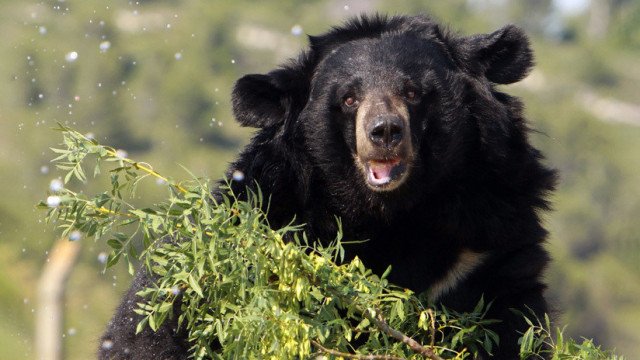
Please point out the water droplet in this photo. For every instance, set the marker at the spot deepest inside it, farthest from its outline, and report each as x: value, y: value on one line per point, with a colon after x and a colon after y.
x: 53, y: 201
x: 71, y: 56
x: 56, y: 185
x: 107, y: 345
x: 75, y: 235
x: 121, y: 154
x: 296, y: 30
x: 104, y: 46
x: 238, y: 175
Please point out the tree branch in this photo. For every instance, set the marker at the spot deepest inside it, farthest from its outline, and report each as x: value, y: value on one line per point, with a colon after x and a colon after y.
x: 324, y: 350
x: 379, y: 321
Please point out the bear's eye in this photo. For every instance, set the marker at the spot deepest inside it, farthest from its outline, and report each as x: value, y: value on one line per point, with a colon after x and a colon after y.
x: 350, y: 101
x: 411, y: 94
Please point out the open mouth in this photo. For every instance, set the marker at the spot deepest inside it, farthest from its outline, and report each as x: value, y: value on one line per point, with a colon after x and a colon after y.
x: 382, y: 173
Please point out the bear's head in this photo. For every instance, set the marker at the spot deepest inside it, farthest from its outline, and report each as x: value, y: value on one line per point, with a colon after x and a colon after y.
x: 392, y: 108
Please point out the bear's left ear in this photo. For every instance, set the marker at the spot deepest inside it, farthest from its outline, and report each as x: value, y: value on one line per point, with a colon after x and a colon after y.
x: 504, y: 56
x: 258, y: 101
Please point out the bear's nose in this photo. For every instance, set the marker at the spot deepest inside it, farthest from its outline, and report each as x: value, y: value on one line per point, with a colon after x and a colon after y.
x: 385, y: 130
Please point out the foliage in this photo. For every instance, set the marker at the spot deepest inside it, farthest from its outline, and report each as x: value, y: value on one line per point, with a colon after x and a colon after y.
x: 539, y: 341
x: 260, y: 292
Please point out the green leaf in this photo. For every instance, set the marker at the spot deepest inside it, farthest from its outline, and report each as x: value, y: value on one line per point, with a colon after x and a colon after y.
x: 195, y: 286
x: 141, y: 325
x: 113, y: 259
x: 114, y: 244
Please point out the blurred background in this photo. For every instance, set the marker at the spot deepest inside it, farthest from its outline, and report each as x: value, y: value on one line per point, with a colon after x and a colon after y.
x: 153, y: 78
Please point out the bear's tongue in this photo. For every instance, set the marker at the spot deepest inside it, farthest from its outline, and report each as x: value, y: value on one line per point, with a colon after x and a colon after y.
x: 380, y: 171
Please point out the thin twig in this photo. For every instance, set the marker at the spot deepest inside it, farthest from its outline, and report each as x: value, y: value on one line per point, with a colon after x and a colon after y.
x: 379, y: 321
x: 138, y: 165
x: 141, y: 166
x: 432, y: 330
x: 345, y: 355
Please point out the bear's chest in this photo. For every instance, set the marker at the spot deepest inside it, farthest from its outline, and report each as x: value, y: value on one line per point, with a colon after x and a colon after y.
x: 420, y: 254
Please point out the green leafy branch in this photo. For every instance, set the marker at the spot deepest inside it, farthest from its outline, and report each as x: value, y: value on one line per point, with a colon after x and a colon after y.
x: 245, y: 290
x: 541, y: 342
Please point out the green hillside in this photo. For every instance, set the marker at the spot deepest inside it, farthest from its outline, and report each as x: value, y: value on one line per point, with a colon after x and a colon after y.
x: 153, y: 78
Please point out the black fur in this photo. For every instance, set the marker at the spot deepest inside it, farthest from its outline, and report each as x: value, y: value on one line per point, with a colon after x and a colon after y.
x: 476, y: 183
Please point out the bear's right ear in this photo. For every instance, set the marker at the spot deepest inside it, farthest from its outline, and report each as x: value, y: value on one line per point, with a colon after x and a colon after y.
x: 258, y: 101
x: 503, y: 56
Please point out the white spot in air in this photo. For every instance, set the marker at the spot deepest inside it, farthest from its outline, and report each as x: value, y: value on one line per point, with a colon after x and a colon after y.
x: 346, y: 7
x: 25, y: 300
x: 178, y: 55
x: 233, y: 61
x: 121, y: 154
x: 40, y: 96
x: 56, y: 185
x: 75, y: 235
x: 72, y: 331
x: 90, y: 135
x: 175, y: 290
x: 71, y: 56
x: 296, y: 30
x: 53, y: 201
x: 238, y: 175
x: 102, y: 257
x: 44, y: 169
x: 42, y: 30
x: 160, y: 181
x: 107, y: 345
x: 76, y: 98
x: 104, y: 46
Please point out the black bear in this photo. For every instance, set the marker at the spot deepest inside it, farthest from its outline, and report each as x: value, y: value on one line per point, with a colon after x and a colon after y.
x: 395, y: 125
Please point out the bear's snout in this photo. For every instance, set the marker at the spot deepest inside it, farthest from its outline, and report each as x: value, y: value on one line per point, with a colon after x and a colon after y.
x: 383, y: 142
x: 386, y: 130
